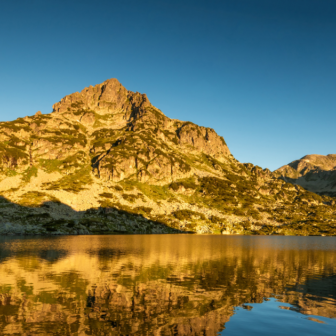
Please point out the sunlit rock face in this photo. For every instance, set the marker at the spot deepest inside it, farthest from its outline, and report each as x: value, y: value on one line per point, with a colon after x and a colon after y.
x: 120, y: 127
x: 157, y: 285
x: 106, y: 160
x: 316, y: 173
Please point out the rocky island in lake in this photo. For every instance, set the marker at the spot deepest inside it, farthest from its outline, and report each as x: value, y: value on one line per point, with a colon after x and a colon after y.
x: 107, y: 161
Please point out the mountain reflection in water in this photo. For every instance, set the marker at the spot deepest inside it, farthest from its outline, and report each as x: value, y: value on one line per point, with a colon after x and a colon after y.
x: 160, y: 284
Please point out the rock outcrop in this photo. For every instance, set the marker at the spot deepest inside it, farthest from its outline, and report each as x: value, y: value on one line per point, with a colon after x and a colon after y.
x: 316, y: 173
x: 107, y: 160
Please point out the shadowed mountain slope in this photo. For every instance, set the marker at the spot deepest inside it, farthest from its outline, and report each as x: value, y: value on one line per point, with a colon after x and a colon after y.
x: 109, y: 148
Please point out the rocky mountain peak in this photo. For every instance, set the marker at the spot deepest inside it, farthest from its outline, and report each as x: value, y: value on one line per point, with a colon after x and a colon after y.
x: 324, y: 162
x: 117, y: 130
x: 107, y: 160
x: 109, y: 97
x: 314, y: 172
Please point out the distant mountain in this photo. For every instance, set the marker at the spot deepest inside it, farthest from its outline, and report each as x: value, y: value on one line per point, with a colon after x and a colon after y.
x: 107, y: 160
x: 314, y: 172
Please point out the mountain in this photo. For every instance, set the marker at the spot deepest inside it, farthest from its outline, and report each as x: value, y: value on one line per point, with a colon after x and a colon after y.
x: 316, y: 173
x: 107, y: 160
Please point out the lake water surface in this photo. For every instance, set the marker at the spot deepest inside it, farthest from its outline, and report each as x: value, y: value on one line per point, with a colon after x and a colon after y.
x: 168, y: 285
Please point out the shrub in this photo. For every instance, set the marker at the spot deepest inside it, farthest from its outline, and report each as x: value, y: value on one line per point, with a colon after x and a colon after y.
x: 29, y: 173
x: 188, y: 215
x: 187, y: 184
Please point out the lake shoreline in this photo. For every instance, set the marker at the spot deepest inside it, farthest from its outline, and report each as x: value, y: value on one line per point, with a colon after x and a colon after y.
x: 53, y: 234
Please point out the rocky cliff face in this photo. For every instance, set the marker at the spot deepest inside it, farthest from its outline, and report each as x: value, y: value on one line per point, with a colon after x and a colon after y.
x: 116, y: 131
x: 316, y: 173
x: 107, y: 160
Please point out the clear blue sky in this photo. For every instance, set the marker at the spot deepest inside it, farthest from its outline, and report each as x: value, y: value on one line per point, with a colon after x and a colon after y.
x: 261, y: 73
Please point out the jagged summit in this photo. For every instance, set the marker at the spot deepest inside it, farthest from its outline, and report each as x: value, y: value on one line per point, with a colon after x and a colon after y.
x: 119, y: 131
x: 107, y: 97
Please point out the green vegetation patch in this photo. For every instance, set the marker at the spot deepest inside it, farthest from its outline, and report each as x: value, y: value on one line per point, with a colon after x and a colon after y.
x: 29, y: 173
x: 50, y: 166
x: 72, y: 162
x: 188, y: 183
x: 9, y: 153
x: 106, y: 195
x: 132, y: 198
x: 15, y: 125
x: 103, y: 134
x: 106, y: 203
x: 75, y: 182
x: 36, y: 198
x: 117, y: 188
x: 16, y: 142
x: 143, y: 210
x: 77, y: 104
x: 81, y: 111
x: 216, y: 220
x: 153, y: 192
x: 10, y: 172
x: 188, y: 215
x: 66, y: 139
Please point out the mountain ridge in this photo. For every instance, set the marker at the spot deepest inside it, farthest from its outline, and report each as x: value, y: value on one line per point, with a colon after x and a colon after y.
x: 107, y: 160
x: 314, y: 172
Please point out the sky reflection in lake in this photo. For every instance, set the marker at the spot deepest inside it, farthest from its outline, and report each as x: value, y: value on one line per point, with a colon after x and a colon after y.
x: 277, y: 319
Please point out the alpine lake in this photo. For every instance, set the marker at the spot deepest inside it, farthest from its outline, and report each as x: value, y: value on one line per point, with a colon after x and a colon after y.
x: 168, y: 285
